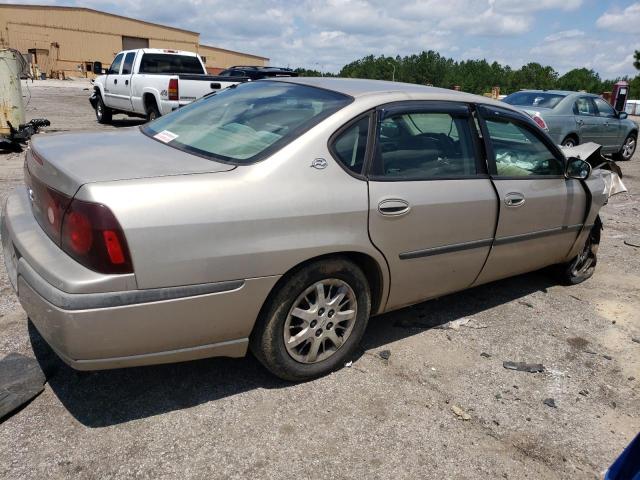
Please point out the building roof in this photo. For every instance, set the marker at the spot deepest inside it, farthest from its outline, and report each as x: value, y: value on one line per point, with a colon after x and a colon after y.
x: 91, y: 10
x: 233, y: 51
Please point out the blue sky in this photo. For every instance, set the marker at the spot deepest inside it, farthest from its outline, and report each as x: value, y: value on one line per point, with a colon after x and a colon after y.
x: 326, y: 34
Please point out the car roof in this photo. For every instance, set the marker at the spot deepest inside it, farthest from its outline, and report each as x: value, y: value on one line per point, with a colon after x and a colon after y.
x: 557, y: 92
x: 390, y: 91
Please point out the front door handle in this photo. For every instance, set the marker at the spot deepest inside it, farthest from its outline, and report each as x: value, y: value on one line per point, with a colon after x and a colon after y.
x: 514, y: 199
x: 580, y: 122
x: 393, y: 207
x: 115, y: 81
x: 126, y: 82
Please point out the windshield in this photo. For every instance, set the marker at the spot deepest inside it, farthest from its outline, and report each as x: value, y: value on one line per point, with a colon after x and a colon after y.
x: 169, y: 64
x: 534, y: 99
x: 247, y: 122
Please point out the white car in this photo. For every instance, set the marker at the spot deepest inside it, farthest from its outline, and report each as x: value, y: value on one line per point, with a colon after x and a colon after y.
x: 151, y: 82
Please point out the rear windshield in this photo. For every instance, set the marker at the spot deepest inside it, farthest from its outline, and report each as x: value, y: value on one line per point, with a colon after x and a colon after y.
x: 169, y: 64
x: 534, y: 99
x: 245, y: 123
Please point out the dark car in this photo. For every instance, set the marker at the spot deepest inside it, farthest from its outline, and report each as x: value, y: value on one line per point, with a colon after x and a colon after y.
x: 256, y: 73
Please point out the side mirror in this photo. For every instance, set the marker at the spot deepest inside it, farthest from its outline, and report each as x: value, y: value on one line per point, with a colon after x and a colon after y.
x: 578, y: 169
x: 622, y: 115
x: 97, y: 68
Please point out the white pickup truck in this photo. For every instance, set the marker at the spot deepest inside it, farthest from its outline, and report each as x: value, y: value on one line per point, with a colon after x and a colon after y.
x: 151, y: 82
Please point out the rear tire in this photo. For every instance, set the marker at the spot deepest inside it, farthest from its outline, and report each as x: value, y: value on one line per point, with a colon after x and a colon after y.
x: 627, y: 150
x: 583, y: 265
x: 152, y: 111
x: 104, y: 114
x: 570, y: 141
x: 303, y: 334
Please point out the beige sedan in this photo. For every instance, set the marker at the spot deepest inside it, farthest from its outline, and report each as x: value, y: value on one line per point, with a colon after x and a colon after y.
x: 278, y: 215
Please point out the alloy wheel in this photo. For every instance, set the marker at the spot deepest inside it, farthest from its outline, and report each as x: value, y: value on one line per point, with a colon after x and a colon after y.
x: 320, y: 321
x: 629, y: 148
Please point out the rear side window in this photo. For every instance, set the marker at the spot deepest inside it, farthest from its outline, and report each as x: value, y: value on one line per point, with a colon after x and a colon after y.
x: 350, y: 146
x: 424, y: 145
x: 114, y: 69
x: 127, y: 66
x: 518, y: 152
x: 169, y: 64
x: 584, y: 106
x: 244, y: 123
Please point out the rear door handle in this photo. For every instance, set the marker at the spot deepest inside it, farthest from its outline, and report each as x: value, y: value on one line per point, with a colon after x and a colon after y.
x: 393, y: 207
x: 115, y: 81
x: 514, y: 199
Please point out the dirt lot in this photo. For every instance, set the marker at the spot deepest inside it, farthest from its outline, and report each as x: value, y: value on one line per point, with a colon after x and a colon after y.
x: 380, y: 418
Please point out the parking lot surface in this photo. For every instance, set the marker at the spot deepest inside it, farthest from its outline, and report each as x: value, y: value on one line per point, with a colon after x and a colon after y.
x: 419, y: 401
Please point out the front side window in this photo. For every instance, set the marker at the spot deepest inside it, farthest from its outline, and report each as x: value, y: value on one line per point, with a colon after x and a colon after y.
x: 604, y: 109
x: 127, y: 66
x: 424, y: 145
x: 518, y: 152
x: 114, y: 69
x: 166, y: 63
x: 584, y: 106
x: 351, y: 145
x: 244, y: 123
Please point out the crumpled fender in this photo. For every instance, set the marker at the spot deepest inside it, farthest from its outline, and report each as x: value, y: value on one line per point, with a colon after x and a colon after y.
x: 605, y: 181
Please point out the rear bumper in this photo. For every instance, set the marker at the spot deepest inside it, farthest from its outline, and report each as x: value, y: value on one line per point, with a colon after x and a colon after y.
x: 102, y: 329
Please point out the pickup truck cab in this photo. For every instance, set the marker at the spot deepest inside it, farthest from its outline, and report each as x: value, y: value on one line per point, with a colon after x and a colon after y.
x: 151, y: 82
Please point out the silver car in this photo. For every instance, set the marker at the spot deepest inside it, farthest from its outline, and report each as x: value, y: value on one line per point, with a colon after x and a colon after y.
x: 280, y: 214
x: 572, y: 118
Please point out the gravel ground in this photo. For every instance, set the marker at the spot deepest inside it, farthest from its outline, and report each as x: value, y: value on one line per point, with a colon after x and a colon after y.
x: 380, y: 418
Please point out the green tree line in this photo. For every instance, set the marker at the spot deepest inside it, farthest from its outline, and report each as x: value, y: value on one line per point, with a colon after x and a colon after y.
x: 474, y: 76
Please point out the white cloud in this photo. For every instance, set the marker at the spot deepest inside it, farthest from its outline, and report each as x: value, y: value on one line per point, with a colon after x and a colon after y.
x: 330, y: 33
x: 621, y: 20
x: 570, y: 49
x: 529, y: 6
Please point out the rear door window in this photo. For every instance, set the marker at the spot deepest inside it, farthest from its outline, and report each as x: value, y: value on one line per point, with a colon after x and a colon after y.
x: 127, y: 66
x: 585, y: 106
x: 423, y: 145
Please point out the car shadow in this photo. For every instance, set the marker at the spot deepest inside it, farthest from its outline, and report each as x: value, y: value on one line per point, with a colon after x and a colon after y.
x: 110, y: 397
x: 127, y: 122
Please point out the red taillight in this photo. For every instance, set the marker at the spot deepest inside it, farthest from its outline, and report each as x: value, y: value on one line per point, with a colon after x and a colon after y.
x: 86, y: 231
x: 92, y: 235
x: 540, y: 122
x: 48, y: 206
x: 173, y: 89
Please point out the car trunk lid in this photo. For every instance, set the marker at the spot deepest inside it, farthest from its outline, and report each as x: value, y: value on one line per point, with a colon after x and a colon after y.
x: 65, y: 162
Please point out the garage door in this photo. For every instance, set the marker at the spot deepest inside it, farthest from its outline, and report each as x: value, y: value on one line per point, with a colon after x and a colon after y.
x: 132, y: 43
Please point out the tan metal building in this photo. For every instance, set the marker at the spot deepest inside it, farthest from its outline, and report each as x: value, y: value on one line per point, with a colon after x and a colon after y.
x: 64, y: 41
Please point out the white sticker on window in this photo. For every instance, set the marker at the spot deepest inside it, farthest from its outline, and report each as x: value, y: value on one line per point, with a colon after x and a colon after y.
x: 165, y: 136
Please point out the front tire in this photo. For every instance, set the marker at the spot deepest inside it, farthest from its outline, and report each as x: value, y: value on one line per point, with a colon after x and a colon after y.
x: 103, y: 113
x: 627, y: 150
x: 583, y: 265
x: 314, y: 321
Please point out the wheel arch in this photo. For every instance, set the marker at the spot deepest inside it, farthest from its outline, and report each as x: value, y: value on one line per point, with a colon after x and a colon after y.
x: 147, y: 97
x: 371, y: 268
